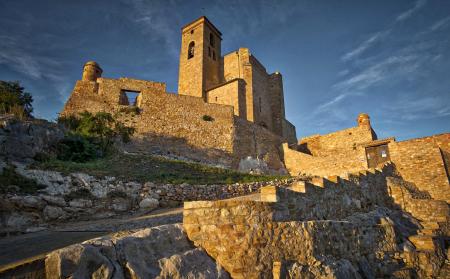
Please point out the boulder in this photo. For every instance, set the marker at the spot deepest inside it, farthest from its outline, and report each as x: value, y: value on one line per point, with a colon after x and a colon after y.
x: 148, y: 204
x: 80, y: 203
x: 28, y: 202
x: 20, y: 221
x: 53, y: 213
x: 84, y: 261
x: 58, y: 201
x: 120, y: 205
x: 23, y: 139
x: 158, y: 252
x: 191, y: 264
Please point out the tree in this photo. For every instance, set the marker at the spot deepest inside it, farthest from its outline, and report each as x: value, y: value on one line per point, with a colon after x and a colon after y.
x: 14, y: 100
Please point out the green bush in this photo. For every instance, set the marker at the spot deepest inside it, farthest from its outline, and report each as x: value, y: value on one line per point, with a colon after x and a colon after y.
x: 90, y: 136
x: 77, y: 149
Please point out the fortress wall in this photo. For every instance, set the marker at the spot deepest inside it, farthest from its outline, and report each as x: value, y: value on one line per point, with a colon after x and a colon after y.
x: 288, y: 131
x: 276, y: 96
x: 261, y: 95
x: 421, y: 161
x: 247, y: 237
x: 337, y: 142
x: 298, y: 162
x: 110, y: 90
x: 231, y: 66
x: 257, y: 142
x: 174, y: 124
x: 231, y: 93
x: 167, y: 123
x: 84, y: 97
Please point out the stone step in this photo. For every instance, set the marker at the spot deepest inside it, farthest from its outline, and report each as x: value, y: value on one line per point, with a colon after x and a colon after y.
x: 424, y: 242
x: 429, y: 232
x: 430, y: 225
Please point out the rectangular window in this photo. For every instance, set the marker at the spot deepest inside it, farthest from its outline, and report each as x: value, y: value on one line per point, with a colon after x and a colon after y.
x: 129, y: 97
x: 209, y: 51
x: 214, y: 55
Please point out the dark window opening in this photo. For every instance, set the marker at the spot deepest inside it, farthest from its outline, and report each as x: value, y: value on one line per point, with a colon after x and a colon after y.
x: 211, y: 39
x: 214, y: 55
x: 192, y: 31
x: 216, y: 99
x: 260, y: 108
x: 209, y: 51
x: 191, y: 50
x: 129, y: 98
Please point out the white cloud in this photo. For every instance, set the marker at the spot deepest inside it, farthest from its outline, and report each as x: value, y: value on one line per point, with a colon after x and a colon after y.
x: 408, y: 13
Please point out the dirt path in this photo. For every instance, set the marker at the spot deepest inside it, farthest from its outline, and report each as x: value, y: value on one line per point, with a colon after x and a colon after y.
x: 17, y: 250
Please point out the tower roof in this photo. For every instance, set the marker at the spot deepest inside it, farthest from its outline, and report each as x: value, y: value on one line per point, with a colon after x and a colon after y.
x: 200, y: 20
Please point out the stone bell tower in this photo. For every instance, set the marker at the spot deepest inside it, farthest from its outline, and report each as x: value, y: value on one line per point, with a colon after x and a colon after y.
x: 199, y: 58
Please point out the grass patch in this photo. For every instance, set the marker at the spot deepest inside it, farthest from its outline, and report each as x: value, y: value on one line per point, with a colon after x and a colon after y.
x: 11, y: 181
x: 142, y: 168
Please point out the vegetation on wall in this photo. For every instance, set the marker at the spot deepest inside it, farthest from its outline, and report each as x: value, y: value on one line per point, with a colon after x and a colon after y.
x: 13, y: 100
x: 207, y: 118
x: 90, y: 136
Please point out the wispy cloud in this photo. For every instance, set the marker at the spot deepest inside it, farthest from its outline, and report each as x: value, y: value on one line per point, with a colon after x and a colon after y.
x: 18, y: 56
x: 440, y: 24
x: 408, y: 13
x: 378, y: 36
x: 413, y: 108
x: 158, y: 20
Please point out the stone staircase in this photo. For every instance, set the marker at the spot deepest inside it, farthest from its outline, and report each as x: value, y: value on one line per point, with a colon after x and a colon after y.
x: 433, y: 215
x: 429, y: 242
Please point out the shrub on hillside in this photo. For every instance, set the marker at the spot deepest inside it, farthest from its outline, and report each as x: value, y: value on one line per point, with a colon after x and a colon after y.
x: 13, y: 99
x: 90, y: 136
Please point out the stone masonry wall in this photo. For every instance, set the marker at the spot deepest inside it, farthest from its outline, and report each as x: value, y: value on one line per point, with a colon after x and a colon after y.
x: 167, y: 123
x: 337, y: 142
x: 232, y: 94
x: 423, y: 153
x: 341, y: 162
x: 247, y: 237
x: 257, y: 142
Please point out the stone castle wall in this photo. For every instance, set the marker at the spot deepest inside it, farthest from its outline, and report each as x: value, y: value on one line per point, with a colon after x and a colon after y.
x: 337, y: 142
x: 231, y: 93
x: 422, y: 161
x: 173, y: 124
x: 247, y: 237
x: 302, y: 163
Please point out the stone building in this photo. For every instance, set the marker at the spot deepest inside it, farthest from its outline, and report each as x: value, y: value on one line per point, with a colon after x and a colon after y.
x: 423, y: 161
x: 228, y: 109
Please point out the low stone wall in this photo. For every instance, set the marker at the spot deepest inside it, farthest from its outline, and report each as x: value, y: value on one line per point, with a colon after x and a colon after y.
x: 80, y: 196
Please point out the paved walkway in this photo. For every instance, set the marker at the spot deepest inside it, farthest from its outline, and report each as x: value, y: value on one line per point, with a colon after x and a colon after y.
x: 17, y: 250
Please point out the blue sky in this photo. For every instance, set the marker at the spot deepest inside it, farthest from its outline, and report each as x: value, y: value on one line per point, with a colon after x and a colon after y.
x: 390, y: 59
